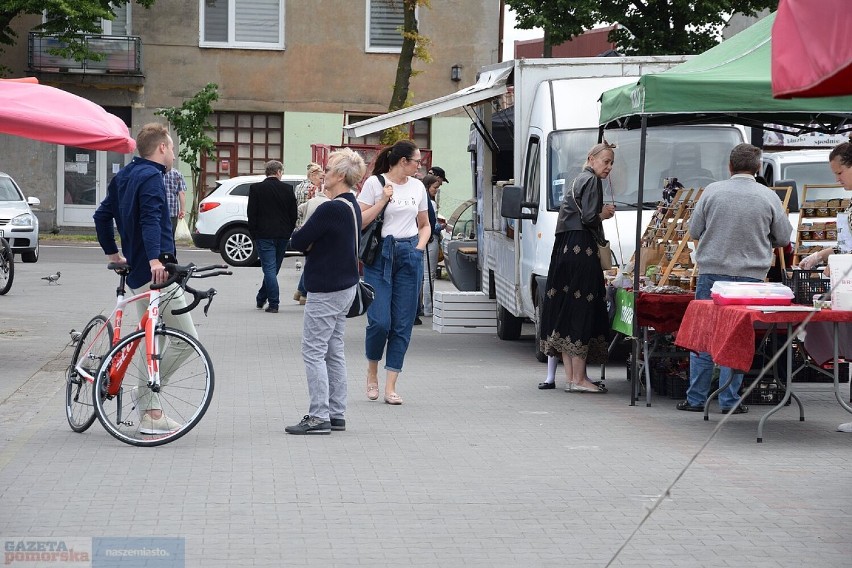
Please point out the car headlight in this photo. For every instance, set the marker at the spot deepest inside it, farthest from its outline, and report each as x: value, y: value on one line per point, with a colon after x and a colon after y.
x: 23, y: 220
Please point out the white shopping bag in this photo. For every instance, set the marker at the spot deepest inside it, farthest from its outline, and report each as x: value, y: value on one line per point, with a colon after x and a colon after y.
x: 840, y: 266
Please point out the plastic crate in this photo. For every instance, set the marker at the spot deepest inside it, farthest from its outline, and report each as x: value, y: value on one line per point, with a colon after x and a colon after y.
x: 806, y: 284
x: 676, y: 387
x: 765, y: 393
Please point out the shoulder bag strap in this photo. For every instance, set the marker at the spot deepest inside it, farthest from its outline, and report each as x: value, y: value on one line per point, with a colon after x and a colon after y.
x: 357, y: 232
x: 599, y: 238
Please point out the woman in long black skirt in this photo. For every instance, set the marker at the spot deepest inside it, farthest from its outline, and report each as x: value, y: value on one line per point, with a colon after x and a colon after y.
x: 574, y: 316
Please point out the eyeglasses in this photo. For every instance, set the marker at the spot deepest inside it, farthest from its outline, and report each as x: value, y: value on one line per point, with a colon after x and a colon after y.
x: 418, y: 160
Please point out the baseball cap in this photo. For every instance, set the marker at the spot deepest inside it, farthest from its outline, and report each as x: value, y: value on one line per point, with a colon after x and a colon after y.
x: 435, y: 170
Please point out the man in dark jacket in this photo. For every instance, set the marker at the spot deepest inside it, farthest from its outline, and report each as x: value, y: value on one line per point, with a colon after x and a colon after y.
x: 271, y: 219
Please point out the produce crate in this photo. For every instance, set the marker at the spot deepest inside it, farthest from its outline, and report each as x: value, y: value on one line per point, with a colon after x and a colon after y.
x: 764, y: 393
x: 806, y: 284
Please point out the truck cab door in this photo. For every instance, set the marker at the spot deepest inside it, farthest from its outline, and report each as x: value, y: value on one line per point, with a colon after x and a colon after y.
x: 529, y: 239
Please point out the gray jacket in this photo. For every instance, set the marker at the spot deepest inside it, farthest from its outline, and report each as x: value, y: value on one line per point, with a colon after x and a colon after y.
x: 737, y: 223
x: 588, y: 198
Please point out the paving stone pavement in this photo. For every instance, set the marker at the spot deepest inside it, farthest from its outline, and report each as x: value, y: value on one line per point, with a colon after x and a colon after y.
x: 477, y: 468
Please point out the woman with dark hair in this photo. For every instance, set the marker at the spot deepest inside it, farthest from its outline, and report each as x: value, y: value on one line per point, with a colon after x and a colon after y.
x: 397, y: 271
x: 840, y: 161
x: 574, y: 323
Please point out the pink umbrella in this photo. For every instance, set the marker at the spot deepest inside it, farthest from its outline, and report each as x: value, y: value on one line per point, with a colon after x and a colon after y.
x: 812, y: 49
x: 47, y: 114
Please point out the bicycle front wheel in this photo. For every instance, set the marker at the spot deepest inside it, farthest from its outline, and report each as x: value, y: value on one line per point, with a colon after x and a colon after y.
x: 93, y: 344
x: 136, y: 414
x: 7, y: 266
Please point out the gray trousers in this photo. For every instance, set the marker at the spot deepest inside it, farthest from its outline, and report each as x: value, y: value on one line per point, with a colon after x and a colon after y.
x: 322, y: 351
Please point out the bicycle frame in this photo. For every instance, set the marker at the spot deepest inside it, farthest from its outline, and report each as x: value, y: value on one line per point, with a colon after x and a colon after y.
x: 148, y: 322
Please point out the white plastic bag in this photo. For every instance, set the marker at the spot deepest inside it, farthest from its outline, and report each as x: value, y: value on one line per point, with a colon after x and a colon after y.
x: 182, y: 231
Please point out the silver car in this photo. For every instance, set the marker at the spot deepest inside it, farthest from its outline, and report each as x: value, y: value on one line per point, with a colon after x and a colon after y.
x: 18, y: 225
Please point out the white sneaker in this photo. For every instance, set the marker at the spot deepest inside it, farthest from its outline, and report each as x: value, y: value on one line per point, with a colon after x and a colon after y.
x: 847, y: 427
x: 161, y: 425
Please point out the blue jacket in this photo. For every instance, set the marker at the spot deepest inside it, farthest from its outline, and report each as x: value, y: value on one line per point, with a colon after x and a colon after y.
x: 332, y: 263
x: 136, y: 201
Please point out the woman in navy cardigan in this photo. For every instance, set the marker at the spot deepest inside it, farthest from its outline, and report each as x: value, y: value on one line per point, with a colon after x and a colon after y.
x: 329, y: 238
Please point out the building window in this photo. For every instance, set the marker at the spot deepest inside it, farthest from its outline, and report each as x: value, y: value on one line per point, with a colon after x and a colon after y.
x: 243, y: 24
x: 385, y: 19
x: 419, y: 131
x: 245, y: 141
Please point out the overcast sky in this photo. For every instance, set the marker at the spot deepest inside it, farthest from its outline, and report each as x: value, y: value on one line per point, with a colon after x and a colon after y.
x: 510, y: 34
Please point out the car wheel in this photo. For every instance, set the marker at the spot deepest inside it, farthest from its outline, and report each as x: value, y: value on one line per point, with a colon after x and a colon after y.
x: 30, y: 255
x: 237, y: 248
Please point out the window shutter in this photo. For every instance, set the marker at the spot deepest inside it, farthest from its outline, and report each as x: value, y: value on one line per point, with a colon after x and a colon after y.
x: 257, y: 21
x: 386, y: 21
x: 216, y: 20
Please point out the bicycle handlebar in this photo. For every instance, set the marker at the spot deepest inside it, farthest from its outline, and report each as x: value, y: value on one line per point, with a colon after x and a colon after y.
x: 183, y: 273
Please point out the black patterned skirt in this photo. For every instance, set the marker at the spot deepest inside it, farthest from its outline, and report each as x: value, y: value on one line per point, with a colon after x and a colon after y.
x: 574, y: 315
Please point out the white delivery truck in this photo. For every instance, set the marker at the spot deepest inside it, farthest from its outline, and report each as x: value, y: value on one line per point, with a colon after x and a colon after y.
x: 540, y: 141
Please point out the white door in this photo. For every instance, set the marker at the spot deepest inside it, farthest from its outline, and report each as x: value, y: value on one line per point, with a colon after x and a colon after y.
x: 83, y: 177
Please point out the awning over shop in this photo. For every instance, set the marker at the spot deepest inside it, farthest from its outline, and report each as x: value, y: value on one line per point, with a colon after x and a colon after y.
x: 491, y: 84
x: 812, y: 49
x: 728, y: 83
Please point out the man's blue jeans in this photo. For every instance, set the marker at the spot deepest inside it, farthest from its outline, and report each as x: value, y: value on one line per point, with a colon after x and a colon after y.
x: 396, y: 277
x: 271, y: 254
x: 701, y: 365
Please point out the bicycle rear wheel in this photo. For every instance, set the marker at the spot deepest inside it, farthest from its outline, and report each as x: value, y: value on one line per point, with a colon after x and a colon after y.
x: 93, y: 344
x: 7, y: 266
x: 139, y: 417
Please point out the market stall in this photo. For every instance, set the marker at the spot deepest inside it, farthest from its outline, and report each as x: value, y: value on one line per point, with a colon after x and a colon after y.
x: 730, y: 83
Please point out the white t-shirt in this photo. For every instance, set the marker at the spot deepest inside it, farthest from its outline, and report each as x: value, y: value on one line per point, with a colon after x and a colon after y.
x: 401, y: 213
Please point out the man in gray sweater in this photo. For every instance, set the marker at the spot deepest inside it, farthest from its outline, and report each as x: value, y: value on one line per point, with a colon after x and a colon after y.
x: 737, y: 222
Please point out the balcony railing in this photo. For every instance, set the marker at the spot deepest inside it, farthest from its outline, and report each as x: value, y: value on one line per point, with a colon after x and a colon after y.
x: 122, y: 55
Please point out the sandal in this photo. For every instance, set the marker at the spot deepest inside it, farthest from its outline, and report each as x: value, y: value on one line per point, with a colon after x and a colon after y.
x: 373, y: 391
x: 393, y: 398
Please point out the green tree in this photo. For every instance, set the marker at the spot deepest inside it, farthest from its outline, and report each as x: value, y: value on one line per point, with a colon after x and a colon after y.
x: 560, y: 19
x: 190, y: 122
x: 63, y: 18
x: 414, y: 46
x: 648, y: 27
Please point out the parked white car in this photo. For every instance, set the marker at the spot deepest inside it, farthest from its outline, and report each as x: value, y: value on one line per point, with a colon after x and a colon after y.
x: 18, y: 224
x: 222, y: 224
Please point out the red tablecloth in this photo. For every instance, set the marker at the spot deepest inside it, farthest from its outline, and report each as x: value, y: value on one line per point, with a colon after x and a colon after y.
x: 663, y: 312
x: 727, y: 332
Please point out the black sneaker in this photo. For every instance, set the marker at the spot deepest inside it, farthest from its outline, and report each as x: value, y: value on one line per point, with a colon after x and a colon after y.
x: 310, y: 425
x: 418, y: 321
x: 338, y: 424
x: 271, y: 309
x: 260, y: 304
x: 741, y: 409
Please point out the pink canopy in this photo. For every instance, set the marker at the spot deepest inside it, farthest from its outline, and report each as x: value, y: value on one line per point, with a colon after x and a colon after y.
x: 47, y: 114
x: 812, y: 49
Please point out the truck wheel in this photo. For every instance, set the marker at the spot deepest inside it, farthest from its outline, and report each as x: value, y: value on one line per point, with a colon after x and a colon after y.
x: 508, y: 326
x: 539, y: 354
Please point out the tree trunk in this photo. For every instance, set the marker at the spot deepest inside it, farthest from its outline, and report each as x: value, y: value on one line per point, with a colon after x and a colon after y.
x: 547, y: 48
x: 406, y: 56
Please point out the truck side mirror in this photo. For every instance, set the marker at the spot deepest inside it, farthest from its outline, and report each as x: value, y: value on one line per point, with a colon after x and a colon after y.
x: 512, y: 204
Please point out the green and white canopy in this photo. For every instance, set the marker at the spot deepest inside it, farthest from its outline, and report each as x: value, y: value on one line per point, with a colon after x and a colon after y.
x: 728, y: 83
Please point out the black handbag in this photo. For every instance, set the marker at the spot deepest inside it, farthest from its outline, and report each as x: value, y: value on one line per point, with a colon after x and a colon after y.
x: 364, y: 293
x: 364, y: 296
x: 371, y: 237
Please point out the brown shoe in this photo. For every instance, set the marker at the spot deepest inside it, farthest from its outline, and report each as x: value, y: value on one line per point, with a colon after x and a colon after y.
x: 297, y: 295
x: 303, y: 300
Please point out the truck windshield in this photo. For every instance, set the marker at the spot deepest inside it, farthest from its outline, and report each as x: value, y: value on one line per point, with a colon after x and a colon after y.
x: 695, y: 155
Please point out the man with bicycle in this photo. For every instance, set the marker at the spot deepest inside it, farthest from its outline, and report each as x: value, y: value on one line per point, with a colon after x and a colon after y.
x: 136, y: 203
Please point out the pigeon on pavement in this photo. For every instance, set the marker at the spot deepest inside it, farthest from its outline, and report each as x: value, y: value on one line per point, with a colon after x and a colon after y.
x: 52, y: 278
